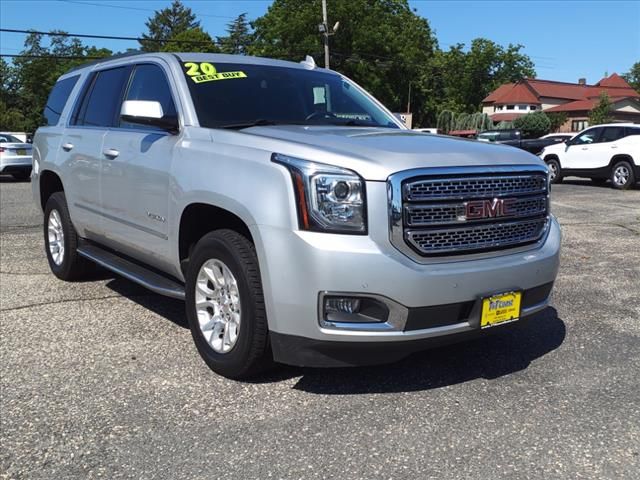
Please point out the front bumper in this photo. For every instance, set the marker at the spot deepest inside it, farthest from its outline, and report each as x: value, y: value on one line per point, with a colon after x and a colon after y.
x: 297, y: 266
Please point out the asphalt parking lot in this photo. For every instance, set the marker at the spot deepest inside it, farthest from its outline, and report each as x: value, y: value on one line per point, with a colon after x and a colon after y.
x: 100, y: 379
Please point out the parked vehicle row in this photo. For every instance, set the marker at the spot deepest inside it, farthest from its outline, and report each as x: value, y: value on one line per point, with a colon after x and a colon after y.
x: 300, y: 221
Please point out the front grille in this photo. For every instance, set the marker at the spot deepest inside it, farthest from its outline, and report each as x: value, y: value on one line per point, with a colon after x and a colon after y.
x: 460, y: 188
x: 418, y: 215
x: 479, y: 237
x: 461, y: 213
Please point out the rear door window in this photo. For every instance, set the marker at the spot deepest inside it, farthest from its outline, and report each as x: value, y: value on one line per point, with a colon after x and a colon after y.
x: 611, y: 134
x: 58, y: 99
x: 101, y: 103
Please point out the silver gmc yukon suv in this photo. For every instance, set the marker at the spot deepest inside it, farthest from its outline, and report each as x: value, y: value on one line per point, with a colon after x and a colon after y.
x: 299, y: 220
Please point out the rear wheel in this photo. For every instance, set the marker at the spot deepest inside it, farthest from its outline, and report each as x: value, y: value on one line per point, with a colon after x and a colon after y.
x: 555, y: 172
x: 225, y: 305
x: 622, y: 175
x: 61, y: 241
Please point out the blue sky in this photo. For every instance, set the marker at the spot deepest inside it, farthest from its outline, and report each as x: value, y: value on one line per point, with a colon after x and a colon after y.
x: 565, y: 39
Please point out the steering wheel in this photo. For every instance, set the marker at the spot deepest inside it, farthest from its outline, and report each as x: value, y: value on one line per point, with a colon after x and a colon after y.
x: 319, y: 115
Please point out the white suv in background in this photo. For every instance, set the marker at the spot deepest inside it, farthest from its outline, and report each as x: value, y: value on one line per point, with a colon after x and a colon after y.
x: 610, y: 151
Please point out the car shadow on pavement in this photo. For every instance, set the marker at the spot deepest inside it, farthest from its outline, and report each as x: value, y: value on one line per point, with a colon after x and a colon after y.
x: 169, y: 308
x: 9, y: 179
x: 503, y: 353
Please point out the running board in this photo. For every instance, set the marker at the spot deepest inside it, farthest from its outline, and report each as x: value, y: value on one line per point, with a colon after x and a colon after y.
x: 132, y: 271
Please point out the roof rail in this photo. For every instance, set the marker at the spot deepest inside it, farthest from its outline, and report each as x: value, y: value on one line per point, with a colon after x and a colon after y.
x: 130, y: 53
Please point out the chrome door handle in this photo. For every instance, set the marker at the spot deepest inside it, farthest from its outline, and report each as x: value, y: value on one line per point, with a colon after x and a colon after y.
x: 614, y: 146
x: 67, y: 146
x: 111, y: 153
x: 585, y: 148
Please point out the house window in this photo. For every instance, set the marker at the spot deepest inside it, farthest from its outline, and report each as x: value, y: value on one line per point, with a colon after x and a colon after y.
x: 498, y: 108
x: 579, y: 125
x: 511, y: 107
x: 532, y: 107
x: 522, y: 107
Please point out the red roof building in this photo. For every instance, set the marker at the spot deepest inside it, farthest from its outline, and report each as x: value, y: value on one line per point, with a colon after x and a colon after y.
x: 511, y: 100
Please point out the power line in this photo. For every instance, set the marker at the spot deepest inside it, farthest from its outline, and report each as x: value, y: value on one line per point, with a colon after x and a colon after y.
x: 107, y: 5
x: 104, y: 37
x: 67, y: 57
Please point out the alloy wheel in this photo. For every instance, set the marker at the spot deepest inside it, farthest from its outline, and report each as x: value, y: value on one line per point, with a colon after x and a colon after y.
x: 218, y: 308
x: 621, y: 175
x: 55, y: 234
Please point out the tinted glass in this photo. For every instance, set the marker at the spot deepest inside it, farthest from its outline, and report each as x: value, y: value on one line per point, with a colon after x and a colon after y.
x: 149, y: 83
x: 590, y: 136
x: 611, y: 134
x: 58, y: 98
x: 632, y: 131
x: 103, y: 100
x: 238, y: 94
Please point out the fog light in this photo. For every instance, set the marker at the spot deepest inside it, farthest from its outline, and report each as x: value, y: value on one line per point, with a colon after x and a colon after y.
x: 354, y: 310
x: 341, y: 305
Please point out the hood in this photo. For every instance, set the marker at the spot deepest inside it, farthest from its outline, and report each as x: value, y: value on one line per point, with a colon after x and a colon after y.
x: 376, y: 153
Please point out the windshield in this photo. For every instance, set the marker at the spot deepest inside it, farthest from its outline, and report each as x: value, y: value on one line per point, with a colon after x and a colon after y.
x: 234, y: 95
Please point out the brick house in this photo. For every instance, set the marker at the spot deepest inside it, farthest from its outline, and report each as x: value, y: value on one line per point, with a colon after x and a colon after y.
x: 511, y: 100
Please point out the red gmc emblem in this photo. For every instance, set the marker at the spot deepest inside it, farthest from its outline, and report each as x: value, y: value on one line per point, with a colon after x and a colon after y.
x: 498, y: 207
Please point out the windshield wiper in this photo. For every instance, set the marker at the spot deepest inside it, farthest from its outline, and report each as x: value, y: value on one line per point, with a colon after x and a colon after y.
x: 261, y: 122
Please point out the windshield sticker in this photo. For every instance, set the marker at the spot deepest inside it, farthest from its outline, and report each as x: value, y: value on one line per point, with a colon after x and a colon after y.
x: 206, y: 72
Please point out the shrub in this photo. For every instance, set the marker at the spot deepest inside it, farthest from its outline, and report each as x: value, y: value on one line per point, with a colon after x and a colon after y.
x: 533, y: 125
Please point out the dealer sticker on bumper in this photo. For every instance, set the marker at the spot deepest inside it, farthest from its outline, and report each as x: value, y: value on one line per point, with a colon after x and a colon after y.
x: 499, y: 309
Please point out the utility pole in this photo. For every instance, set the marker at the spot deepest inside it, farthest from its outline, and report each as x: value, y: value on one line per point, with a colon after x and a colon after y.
x: 325, y: 22
x: 326, y: 32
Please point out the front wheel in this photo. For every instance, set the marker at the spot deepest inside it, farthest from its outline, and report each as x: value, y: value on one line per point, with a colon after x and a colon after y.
x: 225, y: 305
x: 555, y: 172
x: 622, y: 175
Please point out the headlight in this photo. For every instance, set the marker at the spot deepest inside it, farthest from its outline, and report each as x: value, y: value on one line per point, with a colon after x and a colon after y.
x: 329, y: 199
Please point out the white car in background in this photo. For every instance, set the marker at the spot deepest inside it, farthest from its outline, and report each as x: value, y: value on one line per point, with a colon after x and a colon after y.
x: 609, y: 151
x: 15, y: 157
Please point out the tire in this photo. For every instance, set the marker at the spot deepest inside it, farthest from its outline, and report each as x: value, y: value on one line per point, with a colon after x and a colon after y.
x: 555, y: 172
x: 238, y: 302
x: 622, y: 177
x: 64, y: 261
x: 21, y: 176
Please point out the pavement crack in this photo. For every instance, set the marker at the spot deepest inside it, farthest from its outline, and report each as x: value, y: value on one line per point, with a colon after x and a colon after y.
x: 68, y: 300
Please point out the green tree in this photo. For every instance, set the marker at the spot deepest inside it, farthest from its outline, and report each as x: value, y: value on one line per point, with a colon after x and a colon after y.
x: 633, y: 76
x: 533, y: 125
x: 557, y: 119
x: 382, y: 44
x: 467, y: 77
x: 446, y: 121
x: 26, y: 83
x: 238, y: 37
x: 192, y: 40
x: 601, y: 112
x: 167, y: 23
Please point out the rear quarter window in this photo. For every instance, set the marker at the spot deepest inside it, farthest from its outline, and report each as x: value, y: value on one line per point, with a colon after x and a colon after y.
x: 58, y: 98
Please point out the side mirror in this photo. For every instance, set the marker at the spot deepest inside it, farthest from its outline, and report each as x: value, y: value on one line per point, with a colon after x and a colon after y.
x: 147, y: 112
